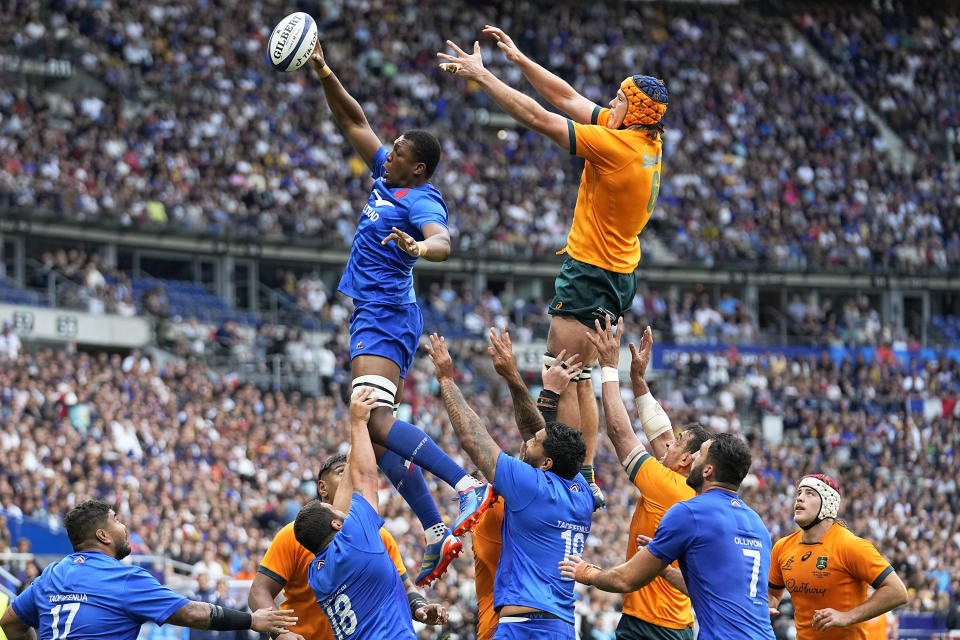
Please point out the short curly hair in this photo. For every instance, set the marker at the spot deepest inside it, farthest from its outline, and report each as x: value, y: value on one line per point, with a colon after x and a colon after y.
x: 565, y: 446
x: 83, y: 520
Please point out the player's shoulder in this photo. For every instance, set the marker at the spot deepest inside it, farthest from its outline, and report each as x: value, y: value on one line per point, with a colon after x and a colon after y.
x: 788, y: 541
x: 387, y: 537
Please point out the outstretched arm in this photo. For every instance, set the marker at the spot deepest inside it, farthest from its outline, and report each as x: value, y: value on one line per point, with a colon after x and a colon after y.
x: 362, y: 462
x: 551, y: 86
x: 652, y: 416
x: 518, y: 106
x: 529, y: 420
x: 346, y: 110
x: 636, y: 572
x: 619, y: 429
x: 204, y: 615
x: 471, y: 432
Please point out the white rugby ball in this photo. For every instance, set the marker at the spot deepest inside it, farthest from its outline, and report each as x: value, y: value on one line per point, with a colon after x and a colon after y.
x: 292, y: 41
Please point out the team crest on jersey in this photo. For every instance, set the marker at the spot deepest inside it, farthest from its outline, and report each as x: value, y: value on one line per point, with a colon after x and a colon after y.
x: 821, y: 562
x: 788, y: 565
x: 78, y: 560
x: 381, y: 202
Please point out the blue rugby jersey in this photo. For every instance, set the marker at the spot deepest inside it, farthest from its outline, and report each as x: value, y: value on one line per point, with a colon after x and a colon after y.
x: 384, y: 273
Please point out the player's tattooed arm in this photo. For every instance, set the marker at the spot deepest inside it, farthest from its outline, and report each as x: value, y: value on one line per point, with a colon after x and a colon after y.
x: 471, y: 432
x: 14, y: 627
x: 529, y: 420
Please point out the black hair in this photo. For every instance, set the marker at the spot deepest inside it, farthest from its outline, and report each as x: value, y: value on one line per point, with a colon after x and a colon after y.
x: 426, y: 148
x: 730, y: 458
x: 700, y: 435
x: 566, y: 447
x: 83, y: 521
x: 330, y: 463
x: 313, y: 526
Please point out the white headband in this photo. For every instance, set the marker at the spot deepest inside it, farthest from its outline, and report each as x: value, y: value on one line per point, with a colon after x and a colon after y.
x: 829, y: 497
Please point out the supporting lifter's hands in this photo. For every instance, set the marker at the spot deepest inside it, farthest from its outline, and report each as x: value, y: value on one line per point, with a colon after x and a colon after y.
x: 270, y: 620
x: 441, y: 357
x: 432, y: 614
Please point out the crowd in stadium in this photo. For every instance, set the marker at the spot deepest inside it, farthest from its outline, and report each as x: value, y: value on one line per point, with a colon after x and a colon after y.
x: 769, y: 162
x: 193, y: 131
x: 227, y: 465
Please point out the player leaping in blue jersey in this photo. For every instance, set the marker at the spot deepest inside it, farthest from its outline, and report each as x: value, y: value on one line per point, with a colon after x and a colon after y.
x: 721, y: 544
x: 403, y: 220
x: 352, y: 575
x: 91, y: 595
x: 546, y: 514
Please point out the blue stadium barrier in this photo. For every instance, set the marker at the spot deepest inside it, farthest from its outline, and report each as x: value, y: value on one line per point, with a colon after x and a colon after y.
x: 664, y: 355
x: 44, y: 540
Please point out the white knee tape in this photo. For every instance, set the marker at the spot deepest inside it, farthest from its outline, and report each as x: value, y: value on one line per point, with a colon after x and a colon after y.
x: 652, y: 416
x: 383, y: 389
x: 548, y: 360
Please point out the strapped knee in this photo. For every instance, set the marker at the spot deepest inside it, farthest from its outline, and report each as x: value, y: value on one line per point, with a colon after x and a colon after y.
x: 585, y: 373
x: 383, y: 389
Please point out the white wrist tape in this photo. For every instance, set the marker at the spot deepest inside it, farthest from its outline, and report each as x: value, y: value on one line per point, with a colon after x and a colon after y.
x: 652, y: 416
x: 609, y: 374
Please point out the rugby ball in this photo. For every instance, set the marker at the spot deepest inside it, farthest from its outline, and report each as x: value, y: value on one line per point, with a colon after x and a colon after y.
x: 292, y: 42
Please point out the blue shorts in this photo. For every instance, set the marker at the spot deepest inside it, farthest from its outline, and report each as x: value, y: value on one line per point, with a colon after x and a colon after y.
x: 390, y: 331
x: 520, y: 628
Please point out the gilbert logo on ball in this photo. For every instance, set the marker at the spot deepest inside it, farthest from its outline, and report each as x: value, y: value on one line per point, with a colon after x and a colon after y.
x: 292, y: 41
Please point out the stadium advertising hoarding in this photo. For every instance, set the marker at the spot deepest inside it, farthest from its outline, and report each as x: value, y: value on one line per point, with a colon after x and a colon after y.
x: 64, y: 325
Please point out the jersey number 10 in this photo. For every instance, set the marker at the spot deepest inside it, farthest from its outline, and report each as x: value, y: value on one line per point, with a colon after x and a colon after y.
x: 71, y: 610
x: 572, y: 543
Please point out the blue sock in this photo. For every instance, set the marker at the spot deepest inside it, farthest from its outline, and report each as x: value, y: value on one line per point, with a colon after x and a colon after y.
x: 411, y: 486
x: 411, y: 443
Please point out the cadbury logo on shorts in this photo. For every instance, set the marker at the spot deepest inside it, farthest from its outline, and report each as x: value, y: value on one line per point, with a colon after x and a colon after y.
x: 284, y: 36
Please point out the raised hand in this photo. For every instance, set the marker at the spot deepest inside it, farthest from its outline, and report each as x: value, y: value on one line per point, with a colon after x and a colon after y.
x: 501, y: 352
x: 270, y: 620
x: 504, y: 42
x: 558, y: 376
x: 317, y: 60
x: 465, y: 65
x: 440, y: 356
x: 362, y: 404
x: 640, y: 358
x: 607, y: 342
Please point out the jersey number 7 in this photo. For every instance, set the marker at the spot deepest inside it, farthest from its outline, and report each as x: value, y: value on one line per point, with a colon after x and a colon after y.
x: 755, y: 572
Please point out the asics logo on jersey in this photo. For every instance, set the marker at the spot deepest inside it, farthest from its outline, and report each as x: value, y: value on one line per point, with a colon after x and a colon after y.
x: 381, y: 202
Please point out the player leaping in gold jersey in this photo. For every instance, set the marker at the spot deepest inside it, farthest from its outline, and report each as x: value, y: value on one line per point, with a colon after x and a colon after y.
x: 618, y: 190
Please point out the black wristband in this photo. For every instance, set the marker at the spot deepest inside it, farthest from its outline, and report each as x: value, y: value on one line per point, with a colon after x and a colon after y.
x: 229, y: 619
x: 547, y: 403
x: 416, y: 601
